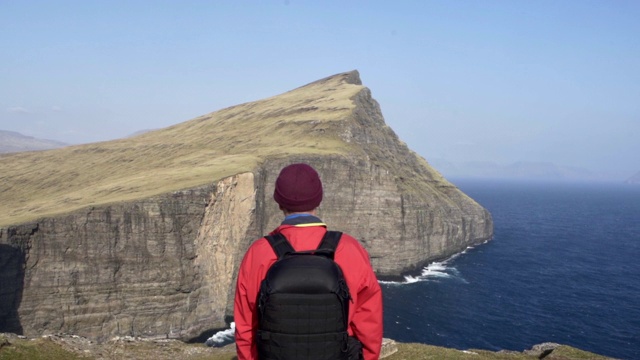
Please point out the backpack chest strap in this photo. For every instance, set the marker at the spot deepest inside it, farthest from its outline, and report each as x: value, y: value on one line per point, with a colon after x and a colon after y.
x: 281, y: 246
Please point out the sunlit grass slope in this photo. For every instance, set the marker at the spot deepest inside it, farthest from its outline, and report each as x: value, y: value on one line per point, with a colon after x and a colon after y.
x: 187, y: 155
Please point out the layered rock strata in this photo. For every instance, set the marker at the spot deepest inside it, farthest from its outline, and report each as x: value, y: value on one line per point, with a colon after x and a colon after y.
x: 164, y: 265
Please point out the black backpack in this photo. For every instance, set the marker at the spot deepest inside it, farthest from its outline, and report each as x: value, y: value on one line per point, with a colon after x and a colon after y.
x: 303, y: 304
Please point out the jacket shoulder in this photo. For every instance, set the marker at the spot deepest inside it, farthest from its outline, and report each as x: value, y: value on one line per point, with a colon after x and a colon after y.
x: 349, y: 241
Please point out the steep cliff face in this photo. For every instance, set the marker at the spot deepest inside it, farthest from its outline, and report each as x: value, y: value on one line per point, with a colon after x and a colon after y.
x: 153, y: 260
x: 125, y: 268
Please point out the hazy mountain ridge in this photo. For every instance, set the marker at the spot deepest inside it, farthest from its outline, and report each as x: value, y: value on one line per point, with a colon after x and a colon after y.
x: 635, y: 179
x: 521, y: 170
x: 11, y: 142
x: 140, y: 132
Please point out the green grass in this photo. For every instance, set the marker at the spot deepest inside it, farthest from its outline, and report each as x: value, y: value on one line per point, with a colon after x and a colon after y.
x: 190, y: 154
x: 44, y: 348
x: 574, y: 354
x: 37, y: 349
x: 424, y: 352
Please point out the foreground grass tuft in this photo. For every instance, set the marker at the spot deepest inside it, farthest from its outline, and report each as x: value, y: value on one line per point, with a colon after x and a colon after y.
x: 35, y: 349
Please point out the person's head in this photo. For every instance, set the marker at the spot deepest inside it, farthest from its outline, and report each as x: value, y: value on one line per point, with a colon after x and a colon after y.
x: 298, y: 189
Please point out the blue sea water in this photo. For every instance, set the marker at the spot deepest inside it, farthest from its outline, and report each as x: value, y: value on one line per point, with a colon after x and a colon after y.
x: 564, y: 266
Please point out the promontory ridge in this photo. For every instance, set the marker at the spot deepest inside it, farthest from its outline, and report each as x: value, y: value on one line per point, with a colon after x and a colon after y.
x: 142, y: 236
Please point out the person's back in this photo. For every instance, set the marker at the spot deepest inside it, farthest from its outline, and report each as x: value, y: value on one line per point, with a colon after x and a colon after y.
x: 303, y: 304
x: 298, y: 197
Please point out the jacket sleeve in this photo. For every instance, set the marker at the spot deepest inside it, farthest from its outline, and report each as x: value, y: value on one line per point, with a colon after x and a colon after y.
x: 367, y: 324
x: 244, y: 313
x: 367, y: 320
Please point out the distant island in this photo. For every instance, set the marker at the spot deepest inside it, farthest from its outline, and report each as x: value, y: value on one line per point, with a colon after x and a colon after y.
x: 635, y: 179
x: 521, y: 170
x: 12, y: 142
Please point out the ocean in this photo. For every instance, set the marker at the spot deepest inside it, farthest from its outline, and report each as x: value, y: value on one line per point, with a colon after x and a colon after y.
x: 563, y: 266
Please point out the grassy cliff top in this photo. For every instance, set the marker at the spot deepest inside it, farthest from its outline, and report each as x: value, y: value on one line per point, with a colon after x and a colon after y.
x: 187, y: 155
x: 69, y: 347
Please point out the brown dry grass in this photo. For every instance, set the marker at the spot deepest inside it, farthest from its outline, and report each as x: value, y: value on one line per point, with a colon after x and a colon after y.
x: 187, y: 155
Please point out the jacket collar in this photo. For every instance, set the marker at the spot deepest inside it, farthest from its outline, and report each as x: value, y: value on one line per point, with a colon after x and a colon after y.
x: 302, y: 220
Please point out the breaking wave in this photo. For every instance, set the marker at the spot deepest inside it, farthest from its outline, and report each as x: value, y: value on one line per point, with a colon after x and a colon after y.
x: 435, y: 270
x: 223, y: 337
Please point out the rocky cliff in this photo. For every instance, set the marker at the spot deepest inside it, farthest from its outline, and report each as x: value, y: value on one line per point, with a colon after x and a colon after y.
x: 143, y: 236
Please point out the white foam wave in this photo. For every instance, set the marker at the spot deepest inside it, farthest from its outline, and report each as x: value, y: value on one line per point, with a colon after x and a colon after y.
x: 388, y: 282
x: 222, y: 337
x: 436, y: 270
x: 411, y: 279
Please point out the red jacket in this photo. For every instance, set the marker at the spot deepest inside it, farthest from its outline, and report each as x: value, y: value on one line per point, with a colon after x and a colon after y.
x: 365, y: 313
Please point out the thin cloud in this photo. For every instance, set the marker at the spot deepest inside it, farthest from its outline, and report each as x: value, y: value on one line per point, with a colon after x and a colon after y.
x: 19, y: 110
x: 71, y: 132
x: 466, y: 143
x: 56, y: 108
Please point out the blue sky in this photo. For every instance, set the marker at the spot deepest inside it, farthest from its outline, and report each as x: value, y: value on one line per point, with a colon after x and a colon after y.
x: 501, y: 81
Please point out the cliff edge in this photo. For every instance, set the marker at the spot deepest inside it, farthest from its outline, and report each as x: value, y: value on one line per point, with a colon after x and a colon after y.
x: 143, y: 236
x: 71, y: 347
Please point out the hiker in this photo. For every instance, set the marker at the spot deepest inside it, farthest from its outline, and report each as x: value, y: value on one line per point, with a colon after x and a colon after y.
x: 298, y: 192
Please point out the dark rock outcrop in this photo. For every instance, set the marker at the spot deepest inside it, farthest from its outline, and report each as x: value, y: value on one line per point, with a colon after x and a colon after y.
x: 147, y: 240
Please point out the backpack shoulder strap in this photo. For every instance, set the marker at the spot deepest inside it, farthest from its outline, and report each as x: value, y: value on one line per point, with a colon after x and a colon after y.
x: 280, y: 245
x: 329, y: 242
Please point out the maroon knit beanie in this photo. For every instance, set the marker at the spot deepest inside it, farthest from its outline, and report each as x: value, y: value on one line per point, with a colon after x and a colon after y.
x: 298, y: 188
